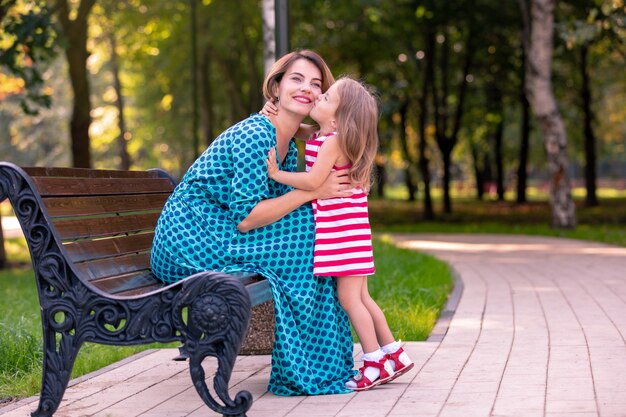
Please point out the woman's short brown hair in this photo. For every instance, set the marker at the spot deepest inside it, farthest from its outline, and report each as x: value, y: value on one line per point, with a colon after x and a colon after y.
x: 278, y: 69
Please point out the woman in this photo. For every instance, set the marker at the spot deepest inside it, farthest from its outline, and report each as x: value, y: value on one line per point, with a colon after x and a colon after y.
x: 226, y: 215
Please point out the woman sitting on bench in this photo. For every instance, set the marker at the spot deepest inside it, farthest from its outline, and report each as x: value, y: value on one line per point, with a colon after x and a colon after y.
x: 227, y: 215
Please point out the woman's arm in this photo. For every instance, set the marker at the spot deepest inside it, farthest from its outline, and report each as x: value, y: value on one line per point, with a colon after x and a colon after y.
x: 273, y: 209
x: 327, y: 155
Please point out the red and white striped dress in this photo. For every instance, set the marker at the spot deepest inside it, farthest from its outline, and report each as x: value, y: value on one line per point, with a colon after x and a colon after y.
x: 343, y: 238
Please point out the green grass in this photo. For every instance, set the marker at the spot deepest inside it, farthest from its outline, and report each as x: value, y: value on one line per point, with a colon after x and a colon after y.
x: 20, y: 334
x: 20, y: 367
x: 410, y: 287
x: 21, y: 348
x: 605, y: 223
x: 466, y: 190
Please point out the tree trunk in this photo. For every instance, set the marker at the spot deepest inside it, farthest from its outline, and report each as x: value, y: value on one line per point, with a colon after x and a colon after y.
x: 409, y: 181
x: 429, y: 213
x: 381, y: 179
x: 590, y: 139
x: 237, y: 106
x: 206, y: 97
x: 255, y: 94
x: 479, y: 172
x: 125, y: 161
x: 3, y: 254
x: 482, y: 170
x: 446, y: 140
x: 447, y: 160
x: 522, y: 176
x: 499, y: 157
x: 539, y: 47
x: 269, y: 34
x: 75, y: 31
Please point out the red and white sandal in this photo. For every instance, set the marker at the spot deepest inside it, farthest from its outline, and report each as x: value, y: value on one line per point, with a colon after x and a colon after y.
x: 363, y: 383
x: 403, y: 363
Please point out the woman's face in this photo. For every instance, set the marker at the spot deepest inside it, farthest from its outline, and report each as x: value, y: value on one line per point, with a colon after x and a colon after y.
x: 299, y: 87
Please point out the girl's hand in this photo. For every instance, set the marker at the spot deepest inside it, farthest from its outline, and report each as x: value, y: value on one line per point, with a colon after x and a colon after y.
x: 272, y: 166
x: 336, y: 185
x: 269, y: 109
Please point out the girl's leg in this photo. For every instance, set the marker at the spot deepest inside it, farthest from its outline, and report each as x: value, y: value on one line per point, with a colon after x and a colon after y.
x: 349, y: 291
x: 377, y: 368
x: 383, y: 332
x: 400, y: 361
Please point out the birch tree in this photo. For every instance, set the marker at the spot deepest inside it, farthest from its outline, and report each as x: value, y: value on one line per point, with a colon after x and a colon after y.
x: 269, y: 34
x: 538, y: 18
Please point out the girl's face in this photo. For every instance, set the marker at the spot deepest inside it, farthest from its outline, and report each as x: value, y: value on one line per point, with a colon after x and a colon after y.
x: 325, y: 107
x: 299, y: 87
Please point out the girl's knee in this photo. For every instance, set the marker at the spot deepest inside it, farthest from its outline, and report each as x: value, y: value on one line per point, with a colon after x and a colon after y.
x: 349, y: 292
x: 347, y: 300
x: 366, y: 297
x: 367, y: 300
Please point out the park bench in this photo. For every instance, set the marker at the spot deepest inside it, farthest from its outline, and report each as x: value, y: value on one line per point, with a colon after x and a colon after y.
x: 89, y: 233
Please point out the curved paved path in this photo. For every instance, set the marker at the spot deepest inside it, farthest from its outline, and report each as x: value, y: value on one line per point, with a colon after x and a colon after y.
x: 538, y: 330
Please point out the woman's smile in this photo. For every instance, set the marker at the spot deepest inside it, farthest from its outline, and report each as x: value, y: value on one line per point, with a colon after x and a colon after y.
x: 303, y: 99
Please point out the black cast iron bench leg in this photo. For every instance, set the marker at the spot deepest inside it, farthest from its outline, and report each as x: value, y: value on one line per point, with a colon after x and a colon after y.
x: 218, y: 314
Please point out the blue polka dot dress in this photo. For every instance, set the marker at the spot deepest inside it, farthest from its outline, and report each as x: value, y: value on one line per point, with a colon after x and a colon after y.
x: 197, y: 232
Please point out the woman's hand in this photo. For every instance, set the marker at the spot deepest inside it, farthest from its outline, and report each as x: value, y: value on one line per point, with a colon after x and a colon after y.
x: 269, y: 109
x: 336, y: 185
x: 272, y: 166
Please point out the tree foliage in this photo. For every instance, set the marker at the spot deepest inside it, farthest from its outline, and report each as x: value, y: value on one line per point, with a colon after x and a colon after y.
x: 448, y: 76
x: 27, y: 45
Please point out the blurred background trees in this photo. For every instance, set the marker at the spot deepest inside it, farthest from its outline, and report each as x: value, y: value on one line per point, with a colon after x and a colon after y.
x: 109, y: 85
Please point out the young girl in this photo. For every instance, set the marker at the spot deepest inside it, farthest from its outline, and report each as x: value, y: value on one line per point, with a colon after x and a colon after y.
x: 347, y: 115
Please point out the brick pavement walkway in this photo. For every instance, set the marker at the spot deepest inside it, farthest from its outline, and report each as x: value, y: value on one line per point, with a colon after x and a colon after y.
x: 539, y: 330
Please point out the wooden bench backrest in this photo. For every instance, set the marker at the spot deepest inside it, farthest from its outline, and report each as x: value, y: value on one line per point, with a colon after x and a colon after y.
x: 105, y: 220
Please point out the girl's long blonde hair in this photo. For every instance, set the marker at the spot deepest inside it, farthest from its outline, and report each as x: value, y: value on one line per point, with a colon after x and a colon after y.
x: 357, y: 122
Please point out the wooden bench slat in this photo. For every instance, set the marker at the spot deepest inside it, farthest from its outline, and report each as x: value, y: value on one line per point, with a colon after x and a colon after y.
x: 144, y: 281
x: 87, y: 250
x: 247, y: 278
x: 105, y: 226
x: 109, y: 267
x: 89, y: 206
x: 139, y: 291
x: 57, y: 186
x: 139, y: 282
x: 259, y: 292
x: 87, y: 173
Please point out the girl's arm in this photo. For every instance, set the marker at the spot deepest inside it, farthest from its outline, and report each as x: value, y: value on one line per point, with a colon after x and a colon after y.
x: 327, y: 156
x: 304, y: 132
x: 273, y: 209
